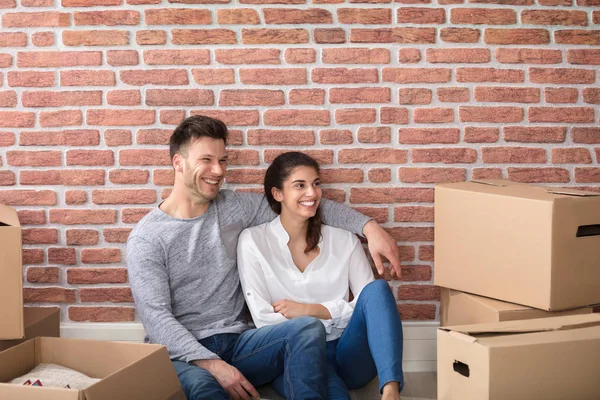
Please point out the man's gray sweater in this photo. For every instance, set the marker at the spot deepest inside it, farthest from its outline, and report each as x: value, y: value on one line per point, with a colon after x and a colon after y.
x: 183, y: 272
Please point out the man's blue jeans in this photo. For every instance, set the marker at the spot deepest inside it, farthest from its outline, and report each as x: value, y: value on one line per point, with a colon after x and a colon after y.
x: 294, y: 350
x: 370, y: 346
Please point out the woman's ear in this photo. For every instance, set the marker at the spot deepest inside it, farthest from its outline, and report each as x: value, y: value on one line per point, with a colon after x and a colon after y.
x: 277, y: 195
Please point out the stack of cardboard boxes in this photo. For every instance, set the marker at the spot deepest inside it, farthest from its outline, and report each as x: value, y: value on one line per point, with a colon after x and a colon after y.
x: 30, y: 336
x: 519, y: 267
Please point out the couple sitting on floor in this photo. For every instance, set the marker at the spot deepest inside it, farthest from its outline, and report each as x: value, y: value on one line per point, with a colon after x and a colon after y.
x: 295, y: 272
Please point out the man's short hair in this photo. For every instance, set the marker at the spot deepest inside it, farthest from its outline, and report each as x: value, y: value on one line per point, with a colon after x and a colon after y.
x: 193, y: 128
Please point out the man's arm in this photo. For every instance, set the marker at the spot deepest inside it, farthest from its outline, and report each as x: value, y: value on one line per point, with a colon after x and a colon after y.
x: 149, y: 283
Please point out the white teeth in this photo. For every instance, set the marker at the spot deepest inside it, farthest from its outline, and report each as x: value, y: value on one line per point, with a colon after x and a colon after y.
x: 307, y: 203
x: 210, y: 181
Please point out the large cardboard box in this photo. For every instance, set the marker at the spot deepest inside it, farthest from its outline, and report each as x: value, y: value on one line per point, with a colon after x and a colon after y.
x: 519, y: 243
x: 11, y: 283
x: 460, y: 308
x: 127, y: 370
x: 38, y: 321
x: 546, y: 358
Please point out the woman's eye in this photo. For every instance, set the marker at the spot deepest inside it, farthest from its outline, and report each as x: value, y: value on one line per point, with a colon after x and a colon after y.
x: 317, y: 183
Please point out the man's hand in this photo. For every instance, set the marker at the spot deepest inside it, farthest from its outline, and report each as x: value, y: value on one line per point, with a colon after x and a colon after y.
x: 382, y: 244
x: 230, y: 378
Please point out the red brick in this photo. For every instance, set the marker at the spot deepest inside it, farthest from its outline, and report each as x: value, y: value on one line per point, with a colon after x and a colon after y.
x: 273, y: 76
x: 76, y: 137
x: 75, y: 197
x: 61, y: 255
x: 203, y: 36
x: 48, y: 295
x: 561, y: 95
x: 7, y: 178
x: 528, y: 56
x: 39, y: 236
x: 155, y: 77
x: 455, y: 55
x: 553, y: 17
x: 116, y: 235
x: 489, y: 75
x: 153, y: 136
x: 591, y: 95
x: 391, y: 195
x: 164, y: 177
x: 490, y: 114
x: 420, y: 15
x: 413, y: 214
x: 151, y: 37
x: 8, y: 98
x: 297, y: 16
x: 460, y: 35
x: 83, y: 217
x: 90, y: 157
x: 36, y: 19
x: 61, y: 99
x: 561, y: 75
x: 359, y: 95
x: 87, y: 78
x: 341, y: 175
x: 13, y: 39
x: 413, y: 35
x: 365, y: 16
x: 432, y: 175
x: 329, y: 35
x: 372, y: 155
x: 585, y: 135
x: 571, y: 156
x: 179, y: 97
x: 516, y: 36
x: 575, y: 115
x: 259, y: 137
x: 33, y: 256
x: 100, y: 295
x: 54, y: 59
x: 124, y: 196
x: 30, y: 79
x: 213, y: 76
x: 587, y: 174
x: 322, y: 156
x: 380, y: 175
x: 513, y: 155
x: 347, y: 116
x: 379, y: 214
x: 453, y: 94
x: 101, y: 314
x: 8, y: 4
x: 106, y: 18
x: 177, y: 16
x: 134, y: 215
x: 483, y: 16
x: 274, y: 36
x: 245, y: 176
x: 497, y: 94
x: 584, y: 56
x: 42, y: 274
x: 100, y: 256
x: 300, y: 56
x: 238, y: 16
x: 416, y: 75
x: 393, y: 115
x: 446, y: 156
x: 251, y: 97
x: 96, y: 275
x: 335, y: 136
x: 374, y: 134
x: 16, y: 119
x: 344, y: 75
x: 418, y: 292
x: 411, y: 234
x: 128, y: 176
x: 7, y: 138
x: 118, y: 58
x: 487, y: 173
x: 124, y: 97
x: 356, y: 56
x: 32, y: 217
x: 90, y: 3
x: 20, y: 158
x: 6, y: 60
x: 77, y: 237
x: 409, y: 56
x: 61, y: 118
x: 414, y: 96
x: 379, y: 35
x: 577, y: 36
x: 95, y: 38
x: 63, y: 177
x: 231, y: 117
x: 243, y: 157
x: 534, y: 134
x: 247, y: 56
x: 176, y: 57
x: 481, y: 135
x: 115, y: 117
x: 307, y: 96
x: 428, y: 135
x: 296, y: 117
x: 433, y: 115
x: 538, y: 175
x: 117, y: 137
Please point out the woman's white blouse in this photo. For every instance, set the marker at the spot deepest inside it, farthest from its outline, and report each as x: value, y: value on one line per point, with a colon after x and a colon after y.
x: 268, y: 274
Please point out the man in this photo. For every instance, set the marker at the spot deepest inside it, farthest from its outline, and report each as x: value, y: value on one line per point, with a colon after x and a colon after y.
x: 181, y: 260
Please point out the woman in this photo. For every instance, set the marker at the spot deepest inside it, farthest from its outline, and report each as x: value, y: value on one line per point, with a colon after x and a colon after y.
x: 296, y: 266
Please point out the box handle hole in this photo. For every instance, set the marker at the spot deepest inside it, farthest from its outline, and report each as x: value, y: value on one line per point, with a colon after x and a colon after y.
x: 588, y: 230
x: 461, y: 368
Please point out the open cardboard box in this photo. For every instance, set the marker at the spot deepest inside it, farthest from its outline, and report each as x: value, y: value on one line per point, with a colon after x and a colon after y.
x: 39, y: 321
x: 524, y: 244
x: 547, y: 358
x: 11, y: 279
x: 127, y: 370
x: 460, y: 308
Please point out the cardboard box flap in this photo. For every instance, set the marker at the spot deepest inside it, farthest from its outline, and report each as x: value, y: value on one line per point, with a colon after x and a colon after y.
x: 493, y: 182
x: 529, y: 326
x: 8, y: 216
x: 571, y: 192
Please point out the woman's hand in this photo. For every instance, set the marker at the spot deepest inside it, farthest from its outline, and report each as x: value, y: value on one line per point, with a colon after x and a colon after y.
x: 291, y: 309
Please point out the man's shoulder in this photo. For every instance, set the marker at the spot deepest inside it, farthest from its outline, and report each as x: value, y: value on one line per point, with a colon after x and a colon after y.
x: 149, y: 226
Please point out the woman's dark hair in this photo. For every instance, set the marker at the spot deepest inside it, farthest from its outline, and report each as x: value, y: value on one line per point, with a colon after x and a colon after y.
x: 193, y: 128
x: 279, y: 170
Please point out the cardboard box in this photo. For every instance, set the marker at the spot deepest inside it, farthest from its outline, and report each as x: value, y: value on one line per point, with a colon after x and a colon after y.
x: 39, y: 321
x: 519, y: 243
x: 127, y: 370
x: 459, y: 308
x: 11, y: 280
x: 546, y: 358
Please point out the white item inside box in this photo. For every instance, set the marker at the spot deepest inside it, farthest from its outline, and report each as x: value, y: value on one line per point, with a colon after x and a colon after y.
x: 56, y: 376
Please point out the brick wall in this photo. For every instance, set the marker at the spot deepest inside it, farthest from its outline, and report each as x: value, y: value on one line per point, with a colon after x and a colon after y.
x: 391, y: 98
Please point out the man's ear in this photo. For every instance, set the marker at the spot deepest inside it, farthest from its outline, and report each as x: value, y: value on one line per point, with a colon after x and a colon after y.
x: 178, y: 162
x: 277, y: 195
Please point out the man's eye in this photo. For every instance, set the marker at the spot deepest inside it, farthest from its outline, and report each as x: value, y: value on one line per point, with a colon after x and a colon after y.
x: 223, y: 161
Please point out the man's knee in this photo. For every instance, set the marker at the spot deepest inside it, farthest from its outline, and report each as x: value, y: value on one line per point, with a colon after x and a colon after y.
x: 204, y: 389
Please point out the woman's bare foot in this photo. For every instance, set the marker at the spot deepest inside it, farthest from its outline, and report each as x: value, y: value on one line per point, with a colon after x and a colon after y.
x: 391, y: 391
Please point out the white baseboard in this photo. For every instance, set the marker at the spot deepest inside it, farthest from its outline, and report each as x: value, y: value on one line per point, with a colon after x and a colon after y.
x: 419, y: 339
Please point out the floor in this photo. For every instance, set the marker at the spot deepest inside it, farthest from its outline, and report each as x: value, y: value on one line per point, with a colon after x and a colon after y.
x: 418, y: 386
